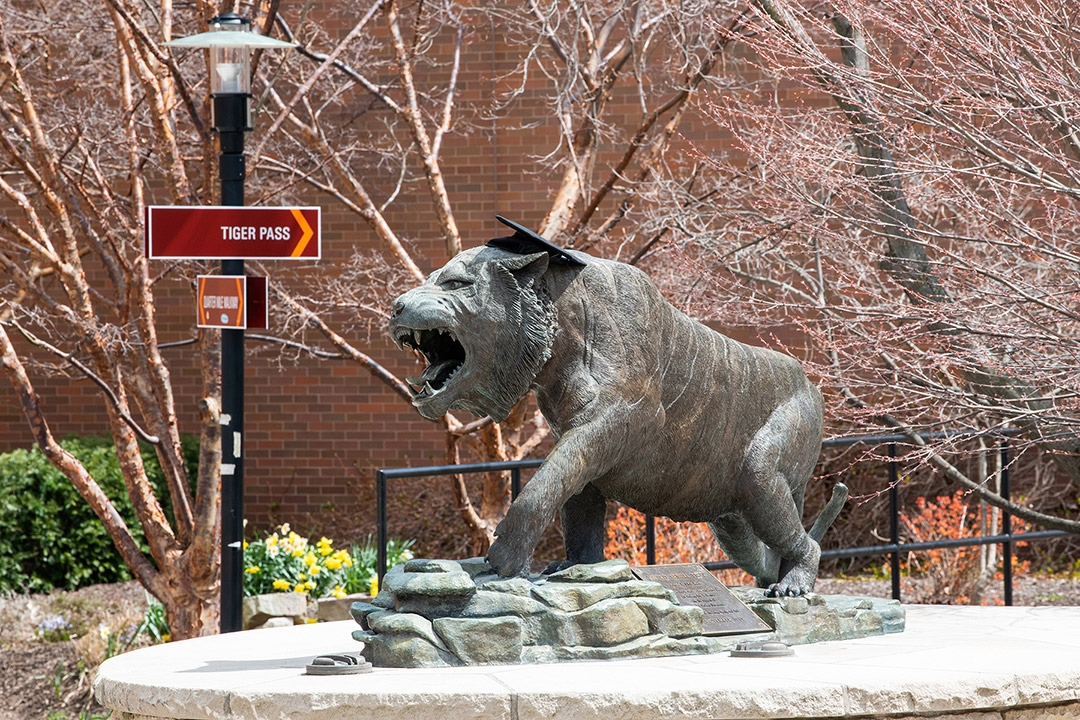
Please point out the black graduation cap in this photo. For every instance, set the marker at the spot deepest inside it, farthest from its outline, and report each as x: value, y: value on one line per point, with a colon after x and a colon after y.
x: 525, y: 242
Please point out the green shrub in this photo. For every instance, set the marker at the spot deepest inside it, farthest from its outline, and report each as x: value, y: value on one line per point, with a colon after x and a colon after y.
x: 362, y: 572
x: 51, y: 538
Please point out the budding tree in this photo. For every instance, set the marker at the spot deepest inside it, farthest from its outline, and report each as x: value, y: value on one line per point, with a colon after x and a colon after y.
x: 904, y: 188
x: 98, y: 122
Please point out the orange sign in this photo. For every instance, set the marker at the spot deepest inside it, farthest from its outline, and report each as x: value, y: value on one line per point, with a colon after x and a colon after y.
x: 231, y: 301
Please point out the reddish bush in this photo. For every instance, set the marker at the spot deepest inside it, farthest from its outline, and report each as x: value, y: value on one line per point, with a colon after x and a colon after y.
x: 675, y: 543
x: 954, y: 575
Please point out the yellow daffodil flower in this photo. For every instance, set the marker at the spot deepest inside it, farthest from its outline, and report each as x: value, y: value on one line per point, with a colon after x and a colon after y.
x: 338, y: 591
x: 281, y: 584
x: 252, y: 570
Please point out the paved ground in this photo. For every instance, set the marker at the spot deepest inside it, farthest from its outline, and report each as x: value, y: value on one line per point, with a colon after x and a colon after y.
x: 984, y: 661
x: 39, y: 678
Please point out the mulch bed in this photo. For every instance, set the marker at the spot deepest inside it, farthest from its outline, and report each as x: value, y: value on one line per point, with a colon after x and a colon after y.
x: 43, y: 680
x: 1035, y: 590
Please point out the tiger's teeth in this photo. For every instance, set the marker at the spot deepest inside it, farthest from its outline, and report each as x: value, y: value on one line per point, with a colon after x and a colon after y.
x: 415, y: 381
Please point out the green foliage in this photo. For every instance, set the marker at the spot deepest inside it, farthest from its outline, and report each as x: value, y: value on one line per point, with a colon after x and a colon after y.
x: 154, y: 623
x: 51, y: 538
x: 58, y: 678
x: 359, y: 577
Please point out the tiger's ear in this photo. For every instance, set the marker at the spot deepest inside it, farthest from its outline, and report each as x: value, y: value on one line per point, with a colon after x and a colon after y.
x: 526, y: 269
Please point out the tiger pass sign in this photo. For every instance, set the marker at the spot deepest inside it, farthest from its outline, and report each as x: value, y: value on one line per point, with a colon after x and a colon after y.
x: 242, y: 233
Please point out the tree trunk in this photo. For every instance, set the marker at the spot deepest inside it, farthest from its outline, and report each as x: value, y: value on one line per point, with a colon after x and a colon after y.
x: 191, y: 597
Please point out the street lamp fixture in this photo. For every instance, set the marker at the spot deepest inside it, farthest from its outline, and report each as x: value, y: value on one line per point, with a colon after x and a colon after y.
x: 230, y: 42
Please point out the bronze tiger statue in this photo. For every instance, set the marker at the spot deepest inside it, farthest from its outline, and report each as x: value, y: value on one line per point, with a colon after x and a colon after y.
x: 647, y: 406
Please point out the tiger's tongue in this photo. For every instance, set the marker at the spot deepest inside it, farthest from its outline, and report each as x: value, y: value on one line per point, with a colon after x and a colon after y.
x: 430, y: 373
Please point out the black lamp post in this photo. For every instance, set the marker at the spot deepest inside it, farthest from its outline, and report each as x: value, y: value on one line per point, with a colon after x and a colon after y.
x: 230, y: 41
x: 230, y: 77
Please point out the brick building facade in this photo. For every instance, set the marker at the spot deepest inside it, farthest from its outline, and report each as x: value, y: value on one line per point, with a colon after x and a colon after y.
x: 315, y: 429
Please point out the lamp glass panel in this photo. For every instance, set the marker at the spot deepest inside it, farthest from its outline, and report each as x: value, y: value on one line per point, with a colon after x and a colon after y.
x: 230, y: 70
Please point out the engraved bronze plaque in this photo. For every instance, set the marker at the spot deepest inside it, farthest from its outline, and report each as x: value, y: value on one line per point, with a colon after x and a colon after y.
x: 725, y: 614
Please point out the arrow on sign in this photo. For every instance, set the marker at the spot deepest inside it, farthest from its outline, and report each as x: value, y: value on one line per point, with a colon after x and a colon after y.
x: 307, y: 232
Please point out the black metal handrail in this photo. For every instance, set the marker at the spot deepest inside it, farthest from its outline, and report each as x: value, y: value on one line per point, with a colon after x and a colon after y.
x: 893, y: 548
x: 514, y: 466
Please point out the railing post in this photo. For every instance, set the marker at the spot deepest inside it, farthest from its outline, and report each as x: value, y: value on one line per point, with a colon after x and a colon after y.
x: 380, y: 500
x: 650, y: 540
x: 515, y: 483
x: 1006, y: 522
x: 894, y: 521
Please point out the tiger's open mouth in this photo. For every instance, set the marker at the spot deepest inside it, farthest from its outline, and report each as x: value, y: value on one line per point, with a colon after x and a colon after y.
x: 442, y: 351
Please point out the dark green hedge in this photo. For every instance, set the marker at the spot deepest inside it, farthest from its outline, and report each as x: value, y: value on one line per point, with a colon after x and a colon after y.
x: 49, y: 536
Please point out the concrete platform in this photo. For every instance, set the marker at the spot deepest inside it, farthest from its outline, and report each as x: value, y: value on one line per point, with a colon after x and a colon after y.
x: 963, y: 662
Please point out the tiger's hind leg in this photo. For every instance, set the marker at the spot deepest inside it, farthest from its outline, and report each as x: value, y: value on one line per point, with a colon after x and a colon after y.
x: 737, y: 539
